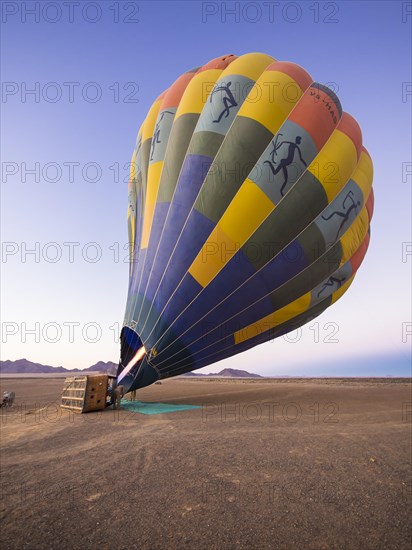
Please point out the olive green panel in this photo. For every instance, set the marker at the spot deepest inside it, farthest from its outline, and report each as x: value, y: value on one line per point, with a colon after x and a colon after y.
x: 241, y: 149
x: 178, y: 144
x: 306, y: 280
x: 292, y: 215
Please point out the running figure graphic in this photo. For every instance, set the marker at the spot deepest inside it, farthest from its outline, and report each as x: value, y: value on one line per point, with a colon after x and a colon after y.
x: 330, y: 282
x: 156, y: 133
x: 285, y: 162
x: 276, y: 146
x: 346, y: 211
x: 228, y: 100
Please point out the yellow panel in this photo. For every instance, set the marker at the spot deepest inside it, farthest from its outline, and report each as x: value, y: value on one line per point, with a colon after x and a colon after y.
x: 149, y: 123
x: 216, y: 251
x: 335, y: 163
x: 354, y: 236
x: 246, y: 212
x: 131, y: 218
x: 341, y: 291
x: 274, y: 319
x: 363, y: 175
x: 250, y: 65
x: 244, y: 215
x: 197, y: 92
x: 131, y: 228
x: 155, y: 171
x: 267, y: 101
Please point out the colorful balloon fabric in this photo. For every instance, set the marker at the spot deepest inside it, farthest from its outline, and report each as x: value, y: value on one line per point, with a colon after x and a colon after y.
x: 250, y: 200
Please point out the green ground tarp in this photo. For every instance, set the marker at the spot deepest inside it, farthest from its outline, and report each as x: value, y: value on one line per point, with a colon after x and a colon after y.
x: 154, y: 408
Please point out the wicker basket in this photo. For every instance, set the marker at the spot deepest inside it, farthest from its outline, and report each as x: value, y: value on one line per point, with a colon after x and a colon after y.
x: 85, y: 393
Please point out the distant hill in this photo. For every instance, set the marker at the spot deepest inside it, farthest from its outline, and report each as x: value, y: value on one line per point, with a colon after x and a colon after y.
x: 25, y: 366
x: 102, y: 366
x: 226, y: 373
x: 236, y: 373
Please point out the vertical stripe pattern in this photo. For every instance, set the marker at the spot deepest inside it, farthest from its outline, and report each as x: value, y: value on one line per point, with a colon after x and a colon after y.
x: 250, y: 201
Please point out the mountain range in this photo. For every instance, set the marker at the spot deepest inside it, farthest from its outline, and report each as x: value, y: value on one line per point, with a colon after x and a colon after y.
x: 22, y: 366
x: 26, y: 366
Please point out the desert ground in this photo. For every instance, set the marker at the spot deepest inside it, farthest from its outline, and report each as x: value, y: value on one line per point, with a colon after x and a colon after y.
x: 282, y: 463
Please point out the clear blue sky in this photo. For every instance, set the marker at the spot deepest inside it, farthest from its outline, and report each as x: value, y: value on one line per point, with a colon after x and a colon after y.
x: 133, y: 51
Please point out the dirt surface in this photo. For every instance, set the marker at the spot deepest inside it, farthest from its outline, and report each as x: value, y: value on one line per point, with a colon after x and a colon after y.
x: 288, y: 464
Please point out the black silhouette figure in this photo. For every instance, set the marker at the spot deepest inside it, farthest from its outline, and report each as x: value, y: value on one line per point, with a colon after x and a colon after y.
x: 276, y: 146
x: 346, y: 211
x: 228, y: 100
x: 330, y: 282
x: 285, y: 162
x: 156, y: 133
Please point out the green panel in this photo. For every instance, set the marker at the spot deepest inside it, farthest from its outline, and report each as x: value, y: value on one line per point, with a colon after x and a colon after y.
x: 205, y: 143
x: 241, y: 149
x: 292, y: 215
x: 307, y: 279
x: 178, y: 144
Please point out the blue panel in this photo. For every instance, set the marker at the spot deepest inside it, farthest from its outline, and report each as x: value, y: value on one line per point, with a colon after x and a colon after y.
x: 157, y: 227
x: 196, y: 232
x: 285, y: 266
x: 290, y: 262
x: 190, y: 181
x: 188, y: 289
x: 228, y: 280
x: 202, y: 359
x: 145, y: 260
x: 131, y: 338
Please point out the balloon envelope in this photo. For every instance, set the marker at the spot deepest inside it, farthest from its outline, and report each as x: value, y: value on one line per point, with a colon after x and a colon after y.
x: 250, y: 199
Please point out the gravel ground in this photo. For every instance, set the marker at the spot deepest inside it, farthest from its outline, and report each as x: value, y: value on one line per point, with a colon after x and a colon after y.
x: 305, y: 464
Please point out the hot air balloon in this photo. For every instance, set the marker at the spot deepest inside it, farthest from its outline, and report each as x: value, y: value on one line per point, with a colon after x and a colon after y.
x: 250, y: 200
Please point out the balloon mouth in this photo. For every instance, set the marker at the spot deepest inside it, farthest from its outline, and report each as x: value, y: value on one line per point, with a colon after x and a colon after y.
x: 133, y: 365
x: 132, y: 353
x: 135, y: 370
